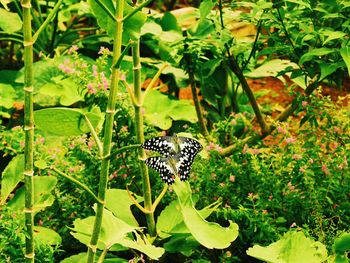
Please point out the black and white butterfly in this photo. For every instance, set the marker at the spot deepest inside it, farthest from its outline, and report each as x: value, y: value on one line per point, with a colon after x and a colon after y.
x: 171, y: 145
x: 171, y: 166
x: 178, y: 156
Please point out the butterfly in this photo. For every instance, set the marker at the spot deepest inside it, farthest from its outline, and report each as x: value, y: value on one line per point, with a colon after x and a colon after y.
x: 178, y: 156
x: 171, y: 145
x: 171, y: 166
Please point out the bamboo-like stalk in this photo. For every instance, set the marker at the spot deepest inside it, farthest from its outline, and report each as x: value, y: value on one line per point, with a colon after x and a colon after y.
x: 140, y: 138
x: 29, y: 131
x: 108, y: 129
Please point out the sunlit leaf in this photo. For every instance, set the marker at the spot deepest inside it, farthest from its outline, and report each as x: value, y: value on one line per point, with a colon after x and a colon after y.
x: 208, y: 234
x: 43, y: 185
x: 161, y: 111
x: 271, y: 68
x: 119, y: 202
x: 131, y: 27
x: 329, y: 68
x: 9, y: 22
x: 292, y: 247
x: 345, y: 53
x: 65, y: 121
x: 341, y: 248
x: 47, y: 236
x: 317, y: 52
x: 11, y: 176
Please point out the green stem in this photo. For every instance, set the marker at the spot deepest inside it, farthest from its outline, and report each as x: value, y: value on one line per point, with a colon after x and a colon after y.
x: 108, y: 129
x: 136, y: 10
x: 94, y: 134
x: 128, y: 147
x: 106, y: 9
x: 29, y: 131
x: 147, y: 195
x: 47, y: 20
x: 78, y: 183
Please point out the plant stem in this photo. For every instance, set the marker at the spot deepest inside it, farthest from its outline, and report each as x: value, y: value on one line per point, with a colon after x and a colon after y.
x: 77, y: 182
x: 147, y: 195
x: 108, y: 129
x: 29, y: 131
x: 196, y: 101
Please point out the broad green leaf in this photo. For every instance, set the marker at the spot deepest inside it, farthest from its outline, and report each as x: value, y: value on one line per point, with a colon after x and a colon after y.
x: 183, y: 243
x: 345, y: 53
x: 317, y: 52
x: 144, y: 246
x: 47, y: 236
x: 114, y: 231
x: 9, y: 22
x: 59, y: 92
x: 43, y: 185
x: 292, y: 247
x: 341, y: 247
x: 169, y: 22
x: 131, y: 27
x: 11, y: 176
x: 169, y: 218
x: 271, y: 68
x: 205, y: 8
x: 7, y: 96
x: 161, y: 111
x: 119, y: 202
x: 327, y: 68
x: 64, y: 121
x: 208, y: 234
x: 151, y: 27
x: 331, y: 35
x: 41, y: 164
x: 179, y: 75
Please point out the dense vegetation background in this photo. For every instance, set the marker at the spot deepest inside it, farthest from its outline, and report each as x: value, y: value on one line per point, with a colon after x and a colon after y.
x: 262, y: 85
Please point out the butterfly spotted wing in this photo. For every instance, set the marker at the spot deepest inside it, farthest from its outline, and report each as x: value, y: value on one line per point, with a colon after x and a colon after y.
x: 169, y: 167
x: 171, y: 145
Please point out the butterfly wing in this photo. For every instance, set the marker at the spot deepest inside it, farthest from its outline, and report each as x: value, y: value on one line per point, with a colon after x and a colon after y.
x: 163, y: 145
x: 190, y: 146
x: 161, y: 165
x: 183, y: 164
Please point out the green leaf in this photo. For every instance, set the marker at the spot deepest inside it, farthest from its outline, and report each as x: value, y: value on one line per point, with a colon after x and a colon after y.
x: 60, y: 91
x: 9, y: 22
x: 183, y: 243
x: 114, y: 231
x: 119, y: 202
x: 11, y: 176
x: 341, y: 247
x: 41, y: 164
x: 169, y: 22
x: 169, y: 218
x: 43, y: 185
x: 331, y: 35
x: 271, y: 68
x: 47, y: 236
x: 345, y: 54
x: 292, y: 247
x: 317, y: 52
x: 161, y: 110
x: 205, y: 8
x: 327, y: 69
x: 64, y: 121
x: 7, y: 96
x: 208, y: 234
x: 131, y: 27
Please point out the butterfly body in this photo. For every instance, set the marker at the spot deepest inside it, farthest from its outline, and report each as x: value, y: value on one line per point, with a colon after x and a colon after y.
x: 178, y: 156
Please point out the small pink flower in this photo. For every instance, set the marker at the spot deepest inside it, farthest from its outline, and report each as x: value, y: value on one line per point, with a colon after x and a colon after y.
x: 264, y: 212
x: 91, y: 89
x: 291, y: 140
x: 281, y: 130
x: 293, y: 225
x: 228, y: 160
x: 270, y: 197
x: 297, y: 157
x: 245, y: 149
x: 250, y: 195
x: 325, y: 169
x: 232, y: 178
x: 304, y: 103
x: 73, y: 49
x: 336, y: 129
x: 333, y: 145
x: 213, y: 176
x: 311, y: 160
x: 290, y: 186
x: 302, y: 170
x: 103, y: 51
x: 233, y: 122
x: 94, y: 71
x: 254, y: 151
